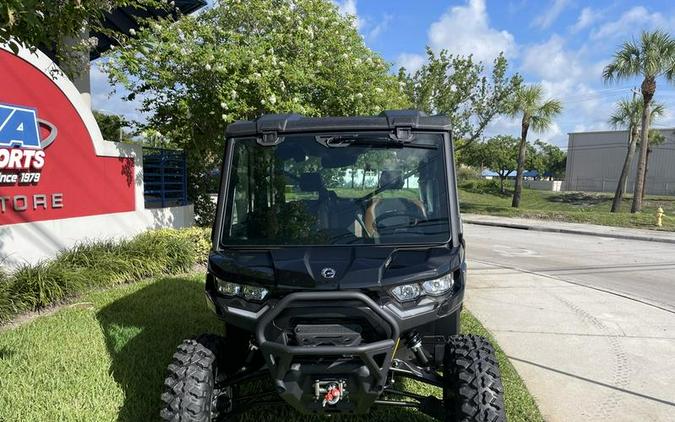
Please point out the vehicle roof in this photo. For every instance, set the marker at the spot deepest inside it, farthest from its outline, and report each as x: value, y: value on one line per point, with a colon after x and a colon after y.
x: 296, y: 123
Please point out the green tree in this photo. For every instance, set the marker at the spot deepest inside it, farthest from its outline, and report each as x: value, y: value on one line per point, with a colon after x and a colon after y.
x: 553, y: 159
x: 627, y: 114
x: 468, y: 154
x: 238, y: 60
x: 458, y: 87
x: 112, y: 126
x: 536, y: 113
x: 499, y: 154
x: 36, y: 23
x: 650, y: 57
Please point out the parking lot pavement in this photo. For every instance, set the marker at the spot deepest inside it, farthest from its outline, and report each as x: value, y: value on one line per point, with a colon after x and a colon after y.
x: 584, y: 354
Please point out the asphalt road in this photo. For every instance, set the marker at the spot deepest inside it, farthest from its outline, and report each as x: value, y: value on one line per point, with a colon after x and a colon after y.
x: 637, y: 269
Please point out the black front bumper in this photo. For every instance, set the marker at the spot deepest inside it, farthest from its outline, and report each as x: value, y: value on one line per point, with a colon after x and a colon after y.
x: 294, y: 369
x: 365, y: 366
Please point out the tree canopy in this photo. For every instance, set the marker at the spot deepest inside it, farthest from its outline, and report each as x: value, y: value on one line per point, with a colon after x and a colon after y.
x: 463, y: 89
x: 47, y: 23
x: 239, y: 60
x: 500, y: 154
x: 112, y: 126
x: 548, y: 160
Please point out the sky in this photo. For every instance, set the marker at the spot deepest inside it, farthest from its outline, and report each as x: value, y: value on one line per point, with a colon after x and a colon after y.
x: 562, y: 44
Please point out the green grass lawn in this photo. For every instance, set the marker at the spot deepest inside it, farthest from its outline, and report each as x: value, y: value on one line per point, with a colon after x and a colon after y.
x: 575, y: 207
x: 104, y: 358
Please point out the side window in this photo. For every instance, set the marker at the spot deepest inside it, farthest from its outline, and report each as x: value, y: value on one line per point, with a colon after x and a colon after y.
x: 241, y: 192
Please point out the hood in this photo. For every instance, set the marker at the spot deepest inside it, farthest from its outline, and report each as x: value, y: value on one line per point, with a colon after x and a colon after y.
x: 333, y: 268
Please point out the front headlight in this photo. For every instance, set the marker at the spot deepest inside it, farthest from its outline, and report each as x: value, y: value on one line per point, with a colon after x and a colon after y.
x: 247, y: 292
x: 254, y: 293
x: 406, y: 292
x: 228, y: 289
x: 438, y: 286
x: 435, y: 287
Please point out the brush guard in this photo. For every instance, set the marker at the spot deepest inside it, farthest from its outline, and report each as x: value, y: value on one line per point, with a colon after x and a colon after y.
x: 362, y: 368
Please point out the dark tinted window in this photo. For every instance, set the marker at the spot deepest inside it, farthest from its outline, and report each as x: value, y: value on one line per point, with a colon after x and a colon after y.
x: 359, y: 189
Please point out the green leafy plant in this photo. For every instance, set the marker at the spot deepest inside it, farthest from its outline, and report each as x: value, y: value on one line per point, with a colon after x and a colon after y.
x: 466, y: 173
x: 100, y: 264
x: 459, y: 87
x: 58, y: 25
x: 238, y: 60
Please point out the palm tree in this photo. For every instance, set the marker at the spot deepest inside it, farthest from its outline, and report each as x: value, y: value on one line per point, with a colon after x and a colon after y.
x: 650, y: 57
x: 627, y: 114
x: 655, y: 138
x: 536, y: 114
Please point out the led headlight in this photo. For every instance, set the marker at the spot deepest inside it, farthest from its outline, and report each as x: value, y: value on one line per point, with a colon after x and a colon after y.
x: 406, y: 292
x: 438, y: 286
x: 227, y: 288
x: 254, y: 293
x: 247, y: 292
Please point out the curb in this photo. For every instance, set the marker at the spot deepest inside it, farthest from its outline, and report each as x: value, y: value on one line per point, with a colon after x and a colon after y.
x: 519, y: 226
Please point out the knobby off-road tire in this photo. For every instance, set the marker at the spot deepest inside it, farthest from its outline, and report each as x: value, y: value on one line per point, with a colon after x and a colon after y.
x: 473, y: 390
x: 189, y: 385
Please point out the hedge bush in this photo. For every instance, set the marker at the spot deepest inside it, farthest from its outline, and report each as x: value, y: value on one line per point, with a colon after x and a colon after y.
x: 482, y: 186
x: 465, y: 173
x: 100, y: 264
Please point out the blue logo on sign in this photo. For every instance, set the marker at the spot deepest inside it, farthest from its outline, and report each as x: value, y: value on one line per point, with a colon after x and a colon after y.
x: 19, y: 127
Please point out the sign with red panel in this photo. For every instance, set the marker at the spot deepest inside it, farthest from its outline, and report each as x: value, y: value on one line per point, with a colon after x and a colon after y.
x: 48, y: 165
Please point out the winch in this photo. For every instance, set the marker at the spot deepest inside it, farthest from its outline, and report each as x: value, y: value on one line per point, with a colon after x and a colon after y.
x: 329, y: 392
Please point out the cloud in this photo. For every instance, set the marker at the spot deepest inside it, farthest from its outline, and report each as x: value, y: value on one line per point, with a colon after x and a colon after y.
x: 636, y: 18
x: 586, y: 18
x: 545, y: 20
x: 465, y: 30
x: 348, y: 8
x: 378, y: 29
x: 411, y: 62
x: 549, y: 60
x: 503, y: 125
x: 570, y: 76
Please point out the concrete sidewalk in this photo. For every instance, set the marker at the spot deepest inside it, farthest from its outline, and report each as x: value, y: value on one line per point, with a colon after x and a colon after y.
x: 573, y: 228
x: 584, y: 354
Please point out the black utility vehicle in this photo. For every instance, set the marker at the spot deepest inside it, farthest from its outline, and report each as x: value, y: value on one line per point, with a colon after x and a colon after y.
x: 338, y: 267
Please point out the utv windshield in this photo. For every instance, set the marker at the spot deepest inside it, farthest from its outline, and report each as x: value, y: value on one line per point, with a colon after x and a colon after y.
x: 346, y: 189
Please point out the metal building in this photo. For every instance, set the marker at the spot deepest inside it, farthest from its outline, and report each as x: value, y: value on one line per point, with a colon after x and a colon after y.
x: 595, y: 159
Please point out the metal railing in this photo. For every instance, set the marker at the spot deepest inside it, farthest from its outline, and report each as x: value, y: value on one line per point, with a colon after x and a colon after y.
x: 164, y: 177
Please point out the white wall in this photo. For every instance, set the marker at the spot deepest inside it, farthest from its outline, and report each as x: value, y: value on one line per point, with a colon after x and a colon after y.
x: 549, y: 185
x: 34, y: 242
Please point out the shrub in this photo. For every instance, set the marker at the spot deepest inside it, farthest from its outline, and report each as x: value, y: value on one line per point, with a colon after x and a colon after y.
x: 481, y: 186
x: 101, y: 264
x: 200, y: 239
x: 465, y: 173
x: 38, y: 286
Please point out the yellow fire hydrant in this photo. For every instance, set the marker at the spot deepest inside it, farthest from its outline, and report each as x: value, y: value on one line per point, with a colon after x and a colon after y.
x: 659, y: 216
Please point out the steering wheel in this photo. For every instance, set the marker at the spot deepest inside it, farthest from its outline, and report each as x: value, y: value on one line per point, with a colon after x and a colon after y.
x: 413, y: 218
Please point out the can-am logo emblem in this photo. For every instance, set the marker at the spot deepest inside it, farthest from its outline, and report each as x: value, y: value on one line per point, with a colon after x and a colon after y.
x: 328, y: 272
